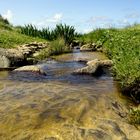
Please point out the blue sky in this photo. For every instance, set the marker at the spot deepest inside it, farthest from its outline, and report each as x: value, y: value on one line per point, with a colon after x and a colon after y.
x: 85, y: 15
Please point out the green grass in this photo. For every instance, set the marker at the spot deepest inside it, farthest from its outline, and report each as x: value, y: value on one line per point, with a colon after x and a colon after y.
x: 123, y: 47
x: 55, y: 47
x: 11, y: 37
x: 134, y: 116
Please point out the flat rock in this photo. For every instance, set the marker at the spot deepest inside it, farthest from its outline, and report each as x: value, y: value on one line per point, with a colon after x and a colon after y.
x: 30, y: 68
x: 102, y: 63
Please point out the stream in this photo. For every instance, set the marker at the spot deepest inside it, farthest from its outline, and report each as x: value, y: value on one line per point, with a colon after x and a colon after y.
x: 63, y: 106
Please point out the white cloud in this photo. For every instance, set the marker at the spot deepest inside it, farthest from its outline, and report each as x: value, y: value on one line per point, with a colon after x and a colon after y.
x: 56, y: 18
x: 8, y: 15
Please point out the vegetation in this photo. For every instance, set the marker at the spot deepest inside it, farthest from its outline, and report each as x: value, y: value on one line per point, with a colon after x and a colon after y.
x: 134, y: 116
x: 10, y: 38
x: 55, y: 47
x: 59, y: 38
x: 61, y: 31
x: 123, y: 47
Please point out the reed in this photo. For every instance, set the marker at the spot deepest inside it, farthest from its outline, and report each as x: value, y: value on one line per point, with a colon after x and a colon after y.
x: 60, y: 31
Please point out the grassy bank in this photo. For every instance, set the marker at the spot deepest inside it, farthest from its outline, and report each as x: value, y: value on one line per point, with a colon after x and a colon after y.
x: 123, y: 47
x: 59, y: 39
x: 11, y: 38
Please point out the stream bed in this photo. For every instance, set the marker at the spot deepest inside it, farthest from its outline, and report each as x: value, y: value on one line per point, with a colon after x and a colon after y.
x: 63, y: 106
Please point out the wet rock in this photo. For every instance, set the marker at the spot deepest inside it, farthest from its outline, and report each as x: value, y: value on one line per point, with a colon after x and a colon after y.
x: 94, y: 67
x: 93, y: 62
x: 31, y: 68
x: 87, y: 70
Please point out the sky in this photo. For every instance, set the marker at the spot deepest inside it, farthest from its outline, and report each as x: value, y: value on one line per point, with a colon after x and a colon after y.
x: 84, y: 15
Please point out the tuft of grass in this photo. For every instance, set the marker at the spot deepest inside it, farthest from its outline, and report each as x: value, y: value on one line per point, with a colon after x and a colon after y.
x: 58, y: 46
x: 55, y: 47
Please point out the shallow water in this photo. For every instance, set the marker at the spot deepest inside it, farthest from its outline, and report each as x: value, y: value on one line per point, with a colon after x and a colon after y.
x: 59, y: 105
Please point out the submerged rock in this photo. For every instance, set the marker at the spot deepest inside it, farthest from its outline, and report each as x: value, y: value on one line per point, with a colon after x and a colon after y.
x: 32, y: 68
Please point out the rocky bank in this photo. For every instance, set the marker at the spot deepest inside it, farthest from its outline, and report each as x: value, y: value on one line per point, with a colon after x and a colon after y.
x: 19, y: 56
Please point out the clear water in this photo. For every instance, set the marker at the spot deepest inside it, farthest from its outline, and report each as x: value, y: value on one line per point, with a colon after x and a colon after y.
x: 54, y: 106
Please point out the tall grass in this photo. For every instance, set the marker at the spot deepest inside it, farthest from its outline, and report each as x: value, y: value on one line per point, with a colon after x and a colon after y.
x: 5, y: 21
x: 4, y: 24
x: 55, y: 47
x: 60, y: 31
